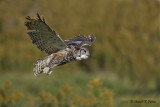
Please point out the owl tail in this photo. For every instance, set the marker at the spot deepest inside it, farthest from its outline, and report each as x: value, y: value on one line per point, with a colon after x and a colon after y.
x: 42, y: 66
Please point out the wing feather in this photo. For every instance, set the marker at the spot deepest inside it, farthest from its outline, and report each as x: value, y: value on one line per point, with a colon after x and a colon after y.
x: 43, y: 36
x: 80, y: 41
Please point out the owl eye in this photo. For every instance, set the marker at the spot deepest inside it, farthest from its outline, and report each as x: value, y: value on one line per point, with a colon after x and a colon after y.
x: 83, y: 52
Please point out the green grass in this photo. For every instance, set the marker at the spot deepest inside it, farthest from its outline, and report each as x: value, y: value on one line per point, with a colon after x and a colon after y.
x: 27, y: 83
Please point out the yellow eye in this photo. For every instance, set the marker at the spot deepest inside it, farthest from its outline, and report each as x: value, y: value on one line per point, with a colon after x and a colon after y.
x: 83, y: 52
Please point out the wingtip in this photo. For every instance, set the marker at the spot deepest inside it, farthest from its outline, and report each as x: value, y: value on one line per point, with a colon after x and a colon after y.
x: 44, y: 20
x: 91, y: 37
x: 38, y: 16
x: 28, y: 17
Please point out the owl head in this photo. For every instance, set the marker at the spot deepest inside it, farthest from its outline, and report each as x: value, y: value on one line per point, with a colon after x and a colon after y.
x: 83, y: 53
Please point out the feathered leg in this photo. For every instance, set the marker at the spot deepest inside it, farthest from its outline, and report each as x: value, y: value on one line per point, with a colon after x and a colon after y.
x: 43, y: 66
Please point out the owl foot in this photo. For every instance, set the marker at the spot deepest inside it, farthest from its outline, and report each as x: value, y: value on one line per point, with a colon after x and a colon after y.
x: 47, y: 70
x: 35, y: 73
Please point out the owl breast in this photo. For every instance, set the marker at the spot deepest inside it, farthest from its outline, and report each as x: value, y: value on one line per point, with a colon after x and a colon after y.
x: 68, y: 56
x: 46, y: 65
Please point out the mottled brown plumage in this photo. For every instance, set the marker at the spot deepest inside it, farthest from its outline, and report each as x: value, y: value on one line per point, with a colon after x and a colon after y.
x: 59, y: 51
x: 45, y: 38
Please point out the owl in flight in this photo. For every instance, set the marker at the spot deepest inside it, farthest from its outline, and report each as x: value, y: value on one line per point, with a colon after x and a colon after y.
x: 59, y: 51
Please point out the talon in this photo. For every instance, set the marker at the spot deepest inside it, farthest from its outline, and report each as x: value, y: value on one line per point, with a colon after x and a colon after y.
x: 45, y: 70
x: 49, y: 73
x: 35, y: 74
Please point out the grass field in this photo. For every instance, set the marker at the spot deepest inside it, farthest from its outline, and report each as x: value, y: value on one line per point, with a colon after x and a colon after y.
x: 81, y: 84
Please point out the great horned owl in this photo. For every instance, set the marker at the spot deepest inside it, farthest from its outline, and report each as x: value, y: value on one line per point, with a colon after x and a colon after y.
x: 59, y: 51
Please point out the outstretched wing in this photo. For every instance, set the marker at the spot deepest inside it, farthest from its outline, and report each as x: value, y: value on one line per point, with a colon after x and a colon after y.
x: 80, y: 41
x: 43, y: 36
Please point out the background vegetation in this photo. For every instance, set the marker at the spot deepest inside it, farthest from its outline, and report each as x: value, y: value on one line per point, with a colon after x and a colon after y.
x: 124, y: 62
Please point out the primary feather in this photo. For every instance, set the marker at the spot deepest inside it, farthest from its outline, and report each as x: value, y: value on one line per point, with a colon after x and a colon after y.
x: 43, y: 36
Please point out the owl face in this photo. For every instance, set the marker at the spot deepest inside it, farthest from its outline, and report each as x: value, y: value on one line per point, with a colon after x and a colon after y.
x: 83, y: 53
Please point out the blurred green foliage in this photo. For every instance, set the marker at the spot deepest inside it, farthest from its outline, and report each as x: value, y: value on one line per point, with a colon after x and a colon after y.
x: 95, y: 95
x: 127, y: 32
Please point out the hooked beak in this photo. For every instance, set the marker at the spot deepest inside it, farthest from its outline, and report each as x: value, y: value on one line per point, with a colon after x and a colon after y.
x: 88, y: 54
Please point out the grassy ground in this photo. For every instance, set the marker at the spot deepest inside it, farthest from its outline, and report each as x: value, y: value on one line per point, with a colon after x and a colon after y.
x: 122, y: 89
x: 28, y: 83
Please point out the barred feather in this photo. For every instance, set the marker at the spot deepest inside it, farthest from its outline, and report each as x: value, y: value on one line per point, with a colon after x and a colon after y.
x: 81, y: 40
x: 43, y: 36
x: 46, y: 64
x: 42, y: 66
